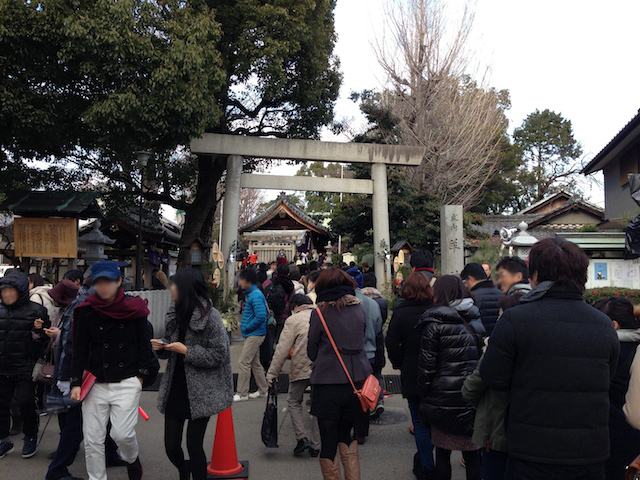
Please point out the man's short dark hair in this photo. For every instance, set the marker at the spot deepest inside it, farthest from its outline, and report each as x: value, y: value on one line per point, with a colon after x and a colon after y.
x: 73, y: 275
x: 313, y: 276
x: 514, y: 265
x: 559, y: 260
x: 474, y: 270
x: 369, y: 279
x: 299, y: 299
x: 313, y: 265
x: 283, y: 269
x: 249, y: 275
x: 421, y: 259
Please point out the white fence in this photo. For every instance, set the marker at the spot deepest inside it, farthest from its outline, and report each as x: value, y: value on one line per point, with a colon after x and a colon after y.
x: 158, y: 303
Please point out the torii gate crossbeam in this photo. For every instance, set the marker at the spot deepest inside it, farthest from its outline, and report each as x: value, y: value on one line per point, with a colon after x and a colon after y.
x: 379, y: 156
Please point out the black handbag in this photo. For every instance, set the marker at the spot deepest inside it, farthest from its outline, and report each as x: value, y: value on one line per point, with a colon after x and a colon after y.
x: 270, y: 420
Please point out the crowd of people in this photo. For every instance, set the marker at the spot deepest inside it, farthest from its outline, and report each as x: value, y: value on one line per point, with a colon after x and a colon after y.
x: 514, y: 370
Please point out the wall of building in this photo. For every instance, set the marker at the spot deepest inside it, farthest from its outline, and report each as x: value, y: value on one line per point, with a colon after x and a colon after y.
x: 617, y: 273
x: 617, y: 199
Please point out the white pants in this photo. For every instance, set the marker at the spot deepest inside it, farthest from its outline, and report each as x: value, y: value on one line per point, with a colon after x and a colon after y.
x: 118, y: 402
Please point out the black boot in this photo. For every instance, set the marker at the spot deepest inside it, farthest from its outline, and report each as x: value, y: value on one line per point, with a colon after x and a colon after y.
x: 135, y: 470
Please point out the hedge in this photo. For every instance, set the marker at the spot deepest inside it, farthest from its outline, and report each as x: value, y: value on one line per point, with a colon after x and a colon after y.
x: 591, y: 296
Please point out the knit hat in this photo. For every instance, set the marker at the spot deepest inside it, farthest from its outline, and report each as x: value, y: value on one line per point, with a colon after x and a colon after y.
x: 64, y: 292
x: 357, y: 276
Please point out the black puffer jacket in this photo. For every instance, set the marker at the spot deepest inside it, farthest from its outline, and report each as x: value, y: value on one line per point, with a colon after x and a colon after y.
x: 448, y: 355
x: 20, y: 344
x: 403, y: 342
x: 486, y: 298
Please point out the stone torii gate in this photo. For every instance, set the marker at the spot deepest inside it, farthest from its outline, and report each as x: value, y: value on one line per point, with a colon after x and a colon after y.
x: 379, y: 156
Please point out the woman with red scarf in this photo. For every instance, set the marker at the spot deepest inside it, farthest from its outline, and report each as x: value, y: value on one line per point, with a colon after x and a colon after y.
x: 111, y: 341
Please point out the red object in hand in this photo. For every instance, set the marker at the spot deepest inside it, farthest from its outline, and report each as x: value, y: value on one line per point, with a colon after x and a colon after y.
x: 143, y: 414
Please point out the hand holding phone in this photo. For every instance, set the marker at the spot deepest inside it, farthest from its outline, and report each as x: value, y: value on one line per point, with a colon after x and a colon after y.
x: 158, y: 343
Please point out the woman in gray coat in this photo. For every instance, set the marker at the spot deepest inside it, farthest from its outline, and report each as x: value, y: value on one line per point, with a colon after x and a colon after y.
x: 198, y: 382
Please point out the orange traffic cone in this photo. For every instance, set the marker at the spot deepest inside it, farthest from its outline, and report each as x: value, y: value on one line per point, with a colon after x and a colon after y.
x: 224, y: 458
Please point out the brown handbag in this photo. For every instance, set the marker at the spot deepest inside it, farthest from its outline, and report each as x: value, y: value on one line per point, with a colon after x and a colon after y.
x: 47, y: 370
x: 370, y: 391
x: 45, y: 376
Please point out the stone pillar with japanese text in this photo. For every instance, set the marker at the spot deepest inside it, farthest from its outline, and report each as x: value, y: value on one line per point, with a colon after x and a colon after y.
x: 451, y: 240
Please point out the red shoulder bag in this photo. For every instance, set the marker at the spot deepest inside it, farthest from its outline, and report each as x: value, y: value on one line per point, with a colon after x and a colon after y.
x: 370, y: 391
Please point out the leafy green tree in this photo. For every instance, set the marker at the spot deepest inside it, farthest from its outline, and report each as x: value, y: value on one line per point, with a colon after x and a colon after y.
x: 412, y: 214
x: 292, y: 198
x: 85, y: 84
x: 504, y: 191
x: 549, y: 151
x: 321, y: 202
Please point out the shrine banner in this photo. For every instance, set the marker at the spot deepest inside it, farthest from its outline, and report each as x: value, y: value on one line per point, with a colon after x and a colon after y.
x: 45, y: 237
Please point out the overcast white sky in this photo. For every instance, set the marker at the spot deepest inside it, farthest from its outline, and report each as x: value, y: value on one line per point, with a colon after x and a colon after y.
x: 574, y: 57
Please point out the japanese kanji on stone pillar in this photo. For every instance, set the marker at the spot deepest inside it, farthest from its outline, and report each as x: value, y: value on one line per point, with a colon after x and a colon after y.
x: 451, y: 239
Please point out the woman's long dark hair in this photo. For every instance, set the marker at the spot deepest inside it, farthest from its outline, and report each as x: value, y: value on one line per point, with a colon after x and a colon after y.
x: 449, y: 288
x: 619, y: 309
x: 192, y: 289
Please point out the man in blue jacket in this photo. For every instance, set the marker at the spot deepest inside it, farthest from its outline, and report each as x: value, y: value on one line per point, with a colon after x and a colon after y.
x: 254, y: 330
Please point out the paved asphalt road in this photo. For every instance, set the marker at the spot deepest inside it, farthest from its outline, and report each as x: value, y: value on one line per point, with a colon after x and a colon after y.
x: 387, y: 455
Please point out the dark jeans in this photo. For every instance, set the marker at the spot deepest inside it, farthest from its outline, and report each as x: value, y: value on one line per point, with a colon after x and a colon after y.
x: 493, y: 465
x: 422, y: 434
x: 68, y: 446
x: 521, y: 470
x: 196, y: 429
x: 24, y: 390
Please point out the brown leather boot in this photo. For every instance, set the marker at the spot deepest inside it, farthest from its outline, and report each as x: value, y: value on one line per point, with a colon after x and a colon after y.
x: 350, y: 460
x: 330, y: 469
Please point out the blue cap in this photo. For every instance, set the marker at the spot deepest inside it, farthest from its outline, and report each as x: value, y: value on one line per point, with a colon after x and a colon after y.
x: 105, y: 269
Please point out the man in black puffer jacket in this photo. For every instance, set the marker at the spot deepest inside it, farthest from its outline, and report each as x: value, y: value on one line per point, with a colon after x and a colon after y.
x: 485, y: 295
x: 22, y: 341
x: 556, y: 356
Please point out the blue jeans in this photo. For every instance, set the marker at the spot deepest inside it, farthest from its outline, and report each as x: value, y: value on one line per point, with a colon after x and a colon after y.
x: 522, y: 470
x: 423, y: 435
x: 493, y: 464
x: 68, y: 446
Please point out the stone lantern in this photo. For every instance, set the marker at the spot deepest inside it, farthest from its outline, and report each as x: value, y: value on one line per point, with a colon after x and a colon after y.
x: 522, y: 242
x: 95, y: 241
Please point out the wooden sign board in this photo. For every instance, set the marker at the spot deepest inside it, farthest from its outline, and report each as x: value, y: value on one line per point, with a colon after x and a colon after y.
x: 45, y: 237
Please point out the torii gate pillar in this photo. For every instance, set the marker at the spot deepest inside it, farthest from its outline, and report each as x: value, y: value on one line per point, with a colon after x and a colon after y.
x: 380, y: 212
x: 230, y: 216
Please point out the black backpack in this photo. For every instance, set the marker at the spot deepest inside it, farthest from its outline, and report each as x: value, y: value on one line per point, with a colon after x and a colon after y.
x: 276, y: 299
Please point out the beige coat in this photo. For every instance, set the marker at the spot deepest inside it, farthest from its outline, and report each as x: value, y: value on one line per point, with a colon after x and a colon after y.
x: 294, y: 336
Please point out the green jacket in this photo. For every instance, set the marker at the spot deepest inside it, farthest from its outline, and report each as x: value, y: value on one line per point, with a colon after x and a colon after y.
x: 491, y: 412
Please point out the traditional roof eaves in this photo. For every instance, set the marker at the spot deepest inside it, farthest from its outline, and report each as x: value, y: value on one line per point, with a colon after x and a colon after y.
x: 280, y: 204
x: 54, y: 204
x: 573, y: 204
x: 539, y: 203
x: 604, y: 156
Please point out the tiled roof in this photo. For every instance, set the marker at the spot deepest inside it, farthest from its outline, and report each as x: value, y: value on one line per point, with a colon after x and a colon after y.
x: 53, y: 204
x: 282, y: 203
